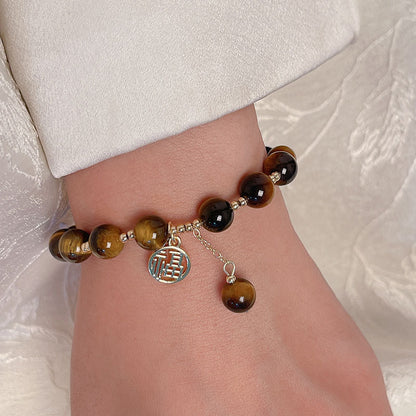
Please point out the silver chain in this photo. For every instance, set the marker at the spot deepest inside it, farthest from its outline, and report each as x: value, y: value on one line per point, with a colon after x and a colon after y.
x: 208, y: 246
x: 230, y: 275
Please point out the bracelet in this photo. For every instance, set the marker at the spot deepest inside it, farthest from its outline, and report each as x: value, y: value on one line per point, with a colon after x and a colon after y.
x: 169, y: 263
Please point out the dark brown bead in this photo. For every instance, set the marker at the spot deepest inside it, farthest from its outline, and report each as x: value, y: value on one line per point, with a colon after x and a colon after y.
x: 54, y: 244
x: 70, y: 245
x: 282, y: 162
x: 282, y: 149
x: 151, y: 232
x: 105, y: 241
x: 216, y: 214
x: 257, y: 188
x: 239, y: 296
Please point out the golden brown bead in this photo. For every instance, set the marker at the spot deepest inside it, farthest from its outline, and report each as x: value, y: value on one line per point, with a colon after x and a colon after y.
x: 70, y: 245
x: 239, y: 296
x: 216, y: 214
x: 282, y: 149
x: 54, y: 244
x: 105, y: 241
x: 257, y: 188
x: 282, y: 162
x: 85, y: 247
x: 151, y: 232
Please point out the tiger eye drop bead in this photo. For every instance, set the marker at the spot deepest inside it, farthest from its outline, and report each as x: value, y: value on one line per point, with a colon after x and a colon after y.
x: 257, y: 188
x: 70, y: 245
x: 105, y: 241
x: 151, y: 232
x: 54, y: 244
x: 282, y: 162
x: 216, y: 214
x: 282, y: 149
x: 238, y: 296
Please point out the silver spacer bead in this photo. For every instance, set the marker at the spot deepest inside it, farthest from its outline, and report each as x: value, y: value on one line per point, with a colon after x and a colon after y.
x: 181, y: 228
x: 130, y: 234
x: 275, y: 177
x: 188, y: 226
x: 230, y: 279
x: 234, y: 205
x: 123, y: 237
x: 196, y: 223
x: 242, y: 201
x: 85, y: 247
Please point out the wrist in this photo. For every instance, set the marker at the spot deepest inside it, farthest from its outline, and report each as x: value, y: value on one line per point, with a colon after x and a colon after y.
x: 122, y: 194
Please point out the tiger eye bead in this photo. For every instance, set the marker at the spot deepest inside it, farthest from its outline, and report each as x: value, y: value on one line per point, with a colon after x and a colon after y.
x: 70, y: 245
x: 282, y: 162
x: 216, y: 214
x: 105, y: 241
x: 281, y: 148
x: 238, y: 296
x: 54, y: 244
x: 151, y: 232
x: 257, y: 188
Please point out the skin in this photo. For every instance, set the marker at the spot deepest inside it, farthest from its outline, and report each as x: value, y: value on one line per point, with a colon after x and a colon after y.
x: 144, y: 348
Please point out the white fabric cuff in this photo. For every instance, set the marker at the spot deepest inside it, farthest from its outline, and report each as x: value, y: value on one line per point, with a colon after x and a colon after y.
x: 101, y: 78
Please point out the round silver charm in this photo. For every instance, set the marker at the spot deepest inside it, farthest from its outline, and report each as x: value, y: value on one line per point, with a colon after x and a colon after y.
x: 169, y: 264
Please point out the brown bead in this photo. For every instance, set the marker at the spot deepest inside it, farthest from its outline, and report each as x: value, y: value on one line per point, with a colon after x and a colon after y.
x: 257, y: 188
x: 151, y: 232
x: 54, y: 244
x: 239, y: 296
x: 216, y: 214
x: 282, y: 149
x: 70, y: 245
x: 282, y: 162
x: 105, y: 241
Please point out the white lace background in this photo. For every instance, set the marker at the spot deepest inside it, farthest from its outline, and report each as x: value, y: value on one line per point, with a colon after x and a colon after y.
x: 352, y: 124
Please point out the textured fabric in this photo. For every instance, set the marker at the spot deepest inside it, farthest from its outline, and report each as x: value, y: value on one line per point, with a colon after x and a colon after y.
x: 353, y: 125
x: 104, y: 77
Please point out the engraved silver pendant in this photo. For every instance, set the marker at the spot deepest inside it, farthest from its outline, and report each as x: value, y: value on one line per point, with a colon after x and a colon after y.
x: 169, y: 264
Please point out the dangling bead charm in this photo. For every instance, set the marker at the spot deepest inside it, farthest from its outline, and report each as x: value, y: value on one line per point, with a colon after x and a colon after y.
x: 238, y: 295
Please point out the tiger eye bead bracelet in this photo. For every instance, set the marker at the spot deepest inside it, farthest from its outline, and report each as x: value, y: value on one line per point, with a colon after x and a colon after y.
x: 169, y: 263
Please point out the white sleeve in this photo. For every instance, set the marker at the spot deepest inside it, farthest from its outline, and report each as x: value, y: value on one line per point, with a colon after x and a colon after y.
x: 101, y: 78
